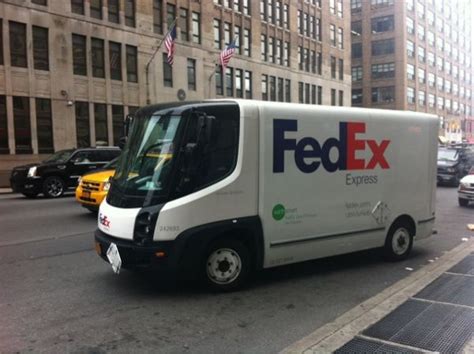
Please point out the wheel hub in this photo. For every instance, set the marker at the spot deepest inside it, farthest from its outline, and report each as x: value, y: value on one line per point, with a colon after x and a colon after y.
x: 401, y: 241
x: 223, y: 266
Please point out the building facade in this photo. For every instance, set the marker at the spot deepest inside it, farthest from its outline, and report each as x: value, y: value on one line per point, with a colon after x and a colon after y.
x: 415, y: 55
x: 70, y: 70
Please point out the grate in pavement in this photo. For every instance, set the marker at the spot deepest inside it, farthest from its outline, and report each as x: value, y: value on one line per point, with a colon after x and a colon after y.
x: 466, y: 266
x: 430, y: 326
x: 362, y: 345
x: 450, y: 288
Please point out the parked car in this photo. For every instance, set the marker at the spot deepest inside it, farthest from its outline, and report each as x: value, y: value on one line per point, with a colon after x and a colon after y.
x: 60, y: 171
x: 453, y: 164
x: 93, y: 187
x: 466, y: 189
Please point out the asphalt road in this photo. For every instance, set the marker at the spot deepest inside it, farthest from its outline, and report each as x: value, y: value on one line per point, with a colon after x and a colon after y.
x: 57, y: 295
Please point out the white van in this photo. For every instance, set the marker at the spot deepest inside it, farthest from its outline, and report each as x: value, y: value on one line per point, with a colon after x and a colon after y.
x: 221, y: 188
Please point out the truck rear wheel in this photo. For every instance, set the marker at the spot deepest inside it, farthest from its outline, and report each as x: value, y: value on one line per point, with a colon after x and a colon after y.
x: 399, y: 241
x: 226, y: 265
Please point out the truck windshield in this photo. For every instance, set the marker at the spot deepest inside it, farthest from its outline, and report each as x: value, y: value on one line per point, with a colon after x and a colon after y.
x: 144, y: 167
x: 447, y: 155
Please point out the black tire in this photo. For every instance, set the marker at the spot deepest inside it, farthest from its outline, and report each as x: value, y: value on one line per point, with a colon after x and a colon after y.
x: 226, y: 265
x: 399, y: 241
x: 463, y: 202
x: 53, y: 187
x: 30, y: 195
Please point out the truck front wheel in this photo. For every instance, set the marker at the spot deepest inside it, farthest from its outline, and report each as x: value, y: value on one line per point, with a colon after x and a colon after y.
x: 399, y: 241
x: 227, y: 265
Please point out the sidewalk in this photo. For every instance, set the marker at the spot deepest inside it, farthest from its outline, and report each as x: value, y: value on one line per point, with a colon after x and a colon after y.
x: 432, y: 310
x: 5, y: 190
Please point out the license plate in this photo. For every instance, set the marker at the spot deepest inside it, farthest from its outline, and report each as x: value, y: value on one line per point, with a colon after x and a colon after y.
x: 113, y: 256
x: 87, y: 194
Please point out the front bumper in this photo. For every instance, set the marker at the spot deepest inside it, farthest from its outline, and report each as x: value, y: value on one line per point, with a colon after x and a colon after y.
x: 446, y: 178
x: 26, y: 185
x: 156, y: 256
x: 90, y: 199
x: 466, y: 195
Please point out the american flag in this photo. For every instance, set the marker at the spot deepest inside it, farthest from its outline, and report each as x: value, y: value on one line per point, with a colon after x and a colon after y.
x: 227, y: 54
x: 170, y: 44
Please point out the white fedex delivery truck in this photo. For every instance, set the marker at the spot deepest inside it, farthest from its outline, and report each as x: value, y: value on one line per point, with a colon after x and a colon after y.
x: 220, y: 188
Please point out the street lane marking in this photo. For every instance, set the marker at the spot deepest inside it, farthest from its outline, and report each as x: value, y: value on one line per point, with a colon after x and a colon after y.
x: 38, y: 239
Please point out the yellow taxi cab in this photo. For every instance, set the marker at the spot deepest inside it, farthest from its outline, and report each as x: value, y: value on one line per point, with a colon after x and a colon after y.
x: 93, y: 187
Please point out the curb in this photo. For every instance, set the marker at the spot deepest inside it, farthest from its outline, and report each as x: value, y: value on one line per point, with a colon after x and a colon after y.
x: 6, y: 191
x: 335, y: 334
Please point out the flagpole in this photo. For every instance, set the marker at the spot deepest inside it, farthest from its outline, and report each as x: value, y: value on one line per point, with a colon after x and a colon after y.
x: 147, y: 67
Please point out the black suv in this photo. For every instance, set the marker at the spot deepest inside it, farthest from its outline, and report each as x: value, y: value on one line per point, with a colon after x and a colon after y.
x: 453, y: 164
x: 60, y: 171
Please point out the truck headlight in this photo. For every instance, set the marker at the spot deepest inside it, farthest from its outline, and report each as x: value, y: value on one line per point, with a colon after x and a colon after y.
x: 106, y: 186
x: 463, y: 186
x: 32, y: 172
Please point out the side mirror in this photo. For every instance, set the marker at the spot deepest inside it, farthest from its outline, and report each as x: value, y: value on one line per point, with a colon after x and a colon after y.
x: 121, y: 142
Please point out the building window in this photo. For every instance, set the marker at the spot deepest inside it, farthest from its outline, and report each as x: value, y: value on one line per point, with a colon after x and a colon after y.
x: 4, y: 148
x: 333, y: 67
x: 333, y: 97
x: 272, y: 84
x: 82, y: 124
x: 217, y: 34
x: 196, y: 18
x: 410, y: 72
x: 411, y: 95
x: 183, y: 24
x: 431, y: 59
x: 132, y: 63
x: 286, y: 11
x: 281, y: 90
x: 356, y: 28
x: 157, y: 16
x: 21, y: 118
x: 114, y: 11
x: 383, y: 94
x: 410, y: 26
x: 341, y: 69
x: 97, y: 52
x: 383, y: 71
x: 313, y: 94
x: 422, y: 98
x: 356, y: 50
x: 271, y: 49
x: 117, y: 123
x: 79, y: 54
x: 410, y: 5
x: 40, y: 48
x: 421, y: 76
x: 306, y: 93
x: 340, y: 38
x: 237, y: 36
x: 115, y: 57
x: 77, y: 6
x: 263, y: 47
x: 332, y: 6
x: 44, y: 126
x: 40, y: 2
x: 287, y: 90
x: 410, y: 49
x: 167, y: 72
x: 383, y: 47
x: 219, y: 81
x: 356, y: 96
x: 356, y: 6
x: 332, y: 35
x: 357, y: 73
x: 100, y: 116
x: 431, y: 100
x: 431, y: 80
x: 239, y: 83
x: 226, y: 33
x: 421, y: 54
x: 381, y: 3
x: 300, y: 92
x: 339, y: 8
x: 247, y: 42
x: 383, y: 24
x: 96, y: 9
x: 248, y: 84
x: 341, y: 98
x: 421, y: 32
x: 130, y: 13
x: 192, y: 74
x: 18, y: 50
x: 265, y: 87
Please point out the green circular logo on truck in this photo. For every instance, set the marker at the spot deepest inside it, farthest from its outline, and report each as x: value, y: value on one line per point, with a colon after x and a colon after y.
x: 278, y: 212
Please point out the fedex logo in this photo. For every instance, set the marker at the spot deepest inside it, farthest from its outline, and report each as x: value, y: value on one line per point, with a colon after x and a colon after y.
x: 310, y: 154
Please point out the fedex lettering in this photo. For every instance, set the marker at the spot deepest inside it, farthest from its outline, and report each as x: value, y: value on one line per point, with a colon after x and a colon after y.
x: 309, y: 154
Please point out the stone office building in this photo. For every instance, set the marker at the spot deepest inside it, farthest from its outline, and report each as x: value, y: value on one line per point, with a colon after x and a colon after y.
x: 70, y: 70
x: 415, y: 55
